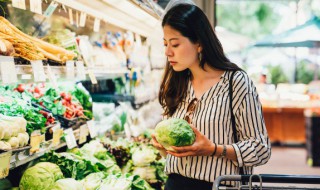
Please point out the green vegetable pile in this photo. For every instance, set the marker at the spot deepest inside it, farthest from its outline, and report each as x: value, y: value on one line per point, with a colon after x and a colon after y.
x: 174, y: 132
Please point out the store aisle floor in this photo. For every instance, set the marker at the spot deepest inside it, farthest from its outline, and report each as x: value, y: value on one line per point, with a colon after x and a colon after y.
x: 288, y: 160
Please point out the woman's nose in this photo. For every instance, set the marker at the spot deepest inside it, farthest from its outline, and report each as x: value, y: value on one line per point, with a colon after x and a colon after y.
x: 168, y: 52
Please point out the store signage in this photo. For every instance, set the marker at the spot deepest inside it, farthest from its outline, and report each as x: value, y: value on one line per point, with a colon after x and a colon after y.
x: 81, y: 72
x: 71, y: 16
x: 92, y: 77
x: 52, y: 77
x: 70, y: 139
x: 70, y: 70
x: 35, y: 140
x: 5, y: 164
x: 57, y: 132
x: 20, y: 4
x: 83, y: 134
x: 36, y: 6
x: 92, y: 129
x: 52, y: 7
x: 38, y: 71
x: 83, y: 18
x: 8, y: 70
x: 96, y: 26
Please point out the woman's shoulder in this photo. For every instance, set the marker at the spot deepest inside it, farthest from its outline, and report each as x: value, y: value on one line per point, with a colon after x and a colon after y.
x: 242, y: 80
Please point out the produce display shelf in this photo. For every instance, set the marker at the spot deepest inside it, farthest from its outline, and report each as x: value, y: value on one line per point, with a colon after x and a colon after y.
x: 19, y: 158
x: 135, y: 102
x: 111, y: 98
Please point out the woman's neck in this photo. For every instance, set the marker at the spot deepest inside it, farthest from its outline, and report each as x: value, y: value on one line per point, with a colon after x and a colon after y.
x: 199, y: 74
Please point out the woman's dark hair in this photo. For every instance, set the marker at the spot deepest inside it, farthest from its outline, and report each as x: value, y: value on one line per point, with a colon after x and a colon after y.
x: 192, y: 23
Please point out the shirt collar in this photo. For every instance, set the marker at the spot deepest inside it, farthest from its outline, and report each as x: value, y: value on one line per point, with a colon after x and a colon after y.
x: 225, y: 76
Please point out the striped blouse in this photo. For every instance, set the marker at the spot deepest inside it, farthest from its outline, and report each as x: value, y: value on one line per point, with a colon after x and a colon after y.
x: 212, y: 118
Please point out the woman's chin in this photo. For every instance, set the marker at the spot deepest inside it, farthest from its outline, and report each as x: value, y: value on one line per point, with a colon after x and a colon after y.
x: 178, y: 69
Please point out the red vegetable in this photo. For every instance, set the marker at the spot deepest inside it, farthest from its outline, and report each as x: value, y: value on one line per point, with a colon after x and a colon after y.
x: 20, y: 88
x: 37, y: 90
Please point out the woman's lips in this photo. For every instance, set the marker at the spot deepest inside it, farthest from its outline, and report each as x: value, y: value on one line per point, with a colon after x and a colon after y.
x: 172, y: 63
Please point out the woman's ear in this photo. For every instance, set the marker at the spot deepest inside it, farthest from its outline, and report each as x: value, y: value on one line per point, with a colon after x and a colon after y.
x: 199, y: 48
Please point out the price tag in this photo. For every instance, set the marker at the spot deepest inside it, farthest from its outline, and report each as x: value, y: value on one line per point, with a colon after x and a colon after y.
x: 83, y: 18
x: 52, y: 7
x: 92, y: 77
x: 35, y: 140
x: 5, y: 164
x: 92, y: 129
x: 96, y: 26
x: 38, y: 71
x: 83, y: 134
x: 70, y: 69
x: 8, y: 70
x: 70, y: 16
x: 57, y: 132
x: 52, y: 77
x: 20, y: 4
x: 36, y: 6
x: 77, y: 19
x: 70, y: 139
x: 26, y: 77
x: 81, y: 73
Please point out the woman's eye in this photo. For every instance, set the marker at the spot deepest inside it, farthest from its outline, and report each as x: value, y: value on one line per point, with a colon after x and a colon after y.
x: 165, y: 45
x: 176, y: 45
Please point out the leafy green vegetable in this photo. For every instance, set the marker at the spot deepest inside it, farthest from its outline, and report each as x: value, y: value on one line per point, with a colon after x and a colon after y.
x: 41, y: 176
x: 119, y: 149
x: 51, y: 100
x: 78, y: 167
x: 143, y: 155
x: 118, y: 182
x: 71, y: 165
x: 35, y: 120
x: 174, y: 132
x: 94, y: 180
x: 68, y: 183
x: 84, y: 98
x: 124, y: 182
x: 140, y: 184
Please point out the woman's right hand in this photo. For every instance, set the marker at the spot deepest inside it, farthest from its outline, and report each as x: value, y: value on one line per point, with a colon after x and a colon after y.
x: 158, y: 146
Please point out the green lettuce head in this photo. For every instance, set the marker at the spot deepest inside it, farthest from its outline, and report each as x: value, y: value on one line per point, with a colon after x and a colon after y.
x: 174, y: 132
x: 41, y: 176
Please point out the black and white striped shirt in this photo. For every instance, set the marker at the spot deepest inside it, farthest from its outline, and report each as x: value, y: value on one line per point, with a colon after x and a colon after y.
x: 212, y: 118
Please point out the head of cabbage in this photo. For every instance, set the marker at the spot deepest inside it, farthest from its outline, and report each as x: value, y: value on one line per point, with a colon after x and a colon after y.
x: 41, y: 176
x: 174, y: 132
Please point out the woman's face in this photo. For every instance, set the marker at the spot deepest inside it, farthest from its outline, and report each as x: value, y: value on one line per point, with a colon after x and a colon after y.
x: 181, y: 52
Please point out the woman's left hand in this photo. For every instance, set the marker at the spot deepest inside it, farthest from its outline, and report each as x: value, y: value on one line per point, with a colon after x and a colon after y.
x: 201, y: 147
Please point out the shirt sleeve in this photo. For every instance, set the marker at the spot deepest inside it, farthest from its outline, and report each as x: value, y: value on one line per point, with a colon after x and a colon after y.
x: 254, y: 146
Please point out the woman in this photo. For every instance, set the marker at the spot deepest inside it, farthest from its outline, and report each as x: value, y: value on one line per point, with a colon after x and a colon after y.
x: 195, y: 88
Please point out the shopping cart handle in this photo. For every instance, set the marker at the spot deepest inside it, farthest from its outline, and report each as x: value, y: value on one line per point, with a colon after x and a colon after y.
x: 268, y: 178
x: 283, y: 178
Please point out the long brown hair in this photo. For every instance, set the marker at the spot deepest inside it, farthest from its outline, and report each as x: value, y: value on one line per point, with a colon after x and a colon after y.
x: 192, y: 23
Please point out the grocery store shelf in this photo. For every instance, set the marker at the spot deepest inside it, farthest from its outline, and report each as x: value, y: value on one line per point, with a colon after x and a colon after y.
x: 135, y: 102
x: 150, y: 7
x: 120, y: 13
x: 22, y: 157
x: 111, y: 98
x: 104, y: 72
